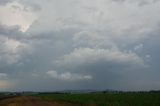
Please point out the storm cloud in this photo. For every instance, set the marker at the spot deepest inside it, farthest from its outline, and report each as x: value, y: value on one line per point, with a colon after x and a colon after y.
x: 48, y: 45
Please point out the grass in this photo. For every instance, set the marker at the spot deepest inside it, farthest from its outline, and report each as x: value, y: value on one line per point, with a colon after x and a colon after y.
x: 107, y: 99
x: 5, y: 96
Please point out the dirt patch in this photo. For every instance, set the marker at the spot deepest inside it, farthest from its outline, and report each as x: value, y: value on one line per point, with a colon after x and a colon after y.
x: 23, y: 101
x: 33, y: 101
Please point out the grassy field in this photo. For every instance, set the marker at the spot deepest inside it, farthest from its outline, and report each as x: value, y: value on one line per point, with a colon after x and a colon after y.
x: 107, y: 99
x: 4, y: 96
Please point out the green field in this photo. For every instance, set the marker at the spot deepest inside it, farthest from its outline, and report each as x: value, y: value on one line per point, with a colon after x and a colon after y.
x: 106, y: 99
x: 4, y: 96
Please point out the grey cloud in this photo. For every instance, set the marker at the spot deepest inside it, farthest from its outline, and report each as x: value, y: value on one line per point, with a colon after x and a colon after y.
x: 30, y: 5
x: 3, y: 75
x: 3, y: 2
x: 140, y: 2
x: 110, y: 45
x: 13, y: 48
x: 108, y: 69
x: 10, y: 31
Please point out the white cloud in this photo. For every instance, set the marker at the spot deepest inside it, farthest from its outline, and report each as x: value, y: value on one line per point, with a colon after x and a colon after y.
x: 12, y: 45
x: 14, y: 14
x: 11, y: 49
x: 67, y: 76
x: 89, y: 55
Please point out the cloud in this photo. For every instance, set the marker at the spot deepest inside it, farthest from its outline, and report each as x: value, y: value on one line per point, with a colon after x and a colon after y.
x: 139, y: 2
x: 99, y: 43
x: 30, y: 5
x: 138, y: 47
x: 90, y: 55
x: 67, y: 76
x: 3, y: 75
x: 12, y: 47
x: 4, y: 84
x: 11, y: 50
x: 93, y: 39
x: 10, y: 31
x: 14, y: 14
x: 3, y: 2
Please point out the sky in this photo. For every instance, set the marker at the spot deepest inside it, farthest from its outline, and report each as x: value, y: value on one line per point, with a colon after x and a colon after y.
x: 48, y: 45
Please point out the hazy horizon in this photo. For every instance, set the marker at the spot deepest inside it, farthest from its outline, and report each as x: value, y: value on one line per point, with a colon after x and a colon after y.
x: 48, y: 45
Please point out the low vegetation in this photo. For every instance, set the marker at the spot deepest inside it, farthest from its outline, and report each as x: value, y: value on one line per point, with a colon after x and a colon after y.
x: 6, y: 95
x: 106, y: 99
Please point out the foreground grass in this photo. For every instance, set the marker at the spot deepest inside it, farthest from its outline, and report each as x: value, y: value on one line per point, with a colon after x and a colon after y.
x: 106, y: 99
x: 3, y: 96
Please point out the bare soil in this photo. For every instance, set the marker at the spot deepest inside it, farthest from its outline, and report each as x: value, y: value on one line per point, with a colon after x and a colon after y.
x: 33, y: 101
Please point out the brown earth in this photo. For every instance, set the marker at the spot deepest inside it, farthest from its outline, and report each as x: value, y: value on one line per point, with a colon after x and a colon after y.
x: 33, y: 101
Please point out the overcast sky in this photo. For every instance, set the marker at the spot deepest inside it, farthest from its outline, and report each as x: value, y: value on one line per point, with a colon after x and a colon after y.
x: 48, y: 45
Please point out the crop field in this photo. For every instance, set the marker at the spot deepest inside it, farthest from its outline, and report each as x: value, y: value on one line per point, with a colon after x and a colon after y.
x: 82, y: 99
x: 106, y: 99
